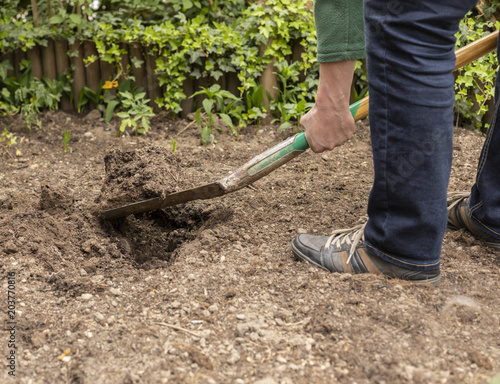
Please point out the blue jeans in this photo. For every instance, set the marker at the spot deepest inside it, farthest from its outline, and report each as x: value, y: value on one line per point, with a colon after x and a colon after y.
x: 410, y: 59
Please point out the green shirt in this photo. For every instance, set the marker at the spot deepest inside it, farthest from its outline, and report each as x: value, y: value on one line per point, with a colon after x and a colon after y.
x: 339, y: 28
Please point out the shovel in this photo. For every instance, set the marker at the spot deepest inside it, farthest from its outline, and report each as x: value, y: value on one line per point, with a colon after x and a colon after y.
x: 275, y: 157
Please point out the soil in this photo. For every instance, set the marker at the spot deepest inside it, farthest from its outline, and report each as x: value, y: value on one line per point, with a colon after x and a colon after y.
x: 208, y: 291
x: 140, y: 173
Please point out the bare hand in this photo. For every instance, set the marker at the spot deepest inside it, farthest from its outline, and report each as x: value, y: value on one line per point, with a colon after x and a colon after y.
x: 329, y: 123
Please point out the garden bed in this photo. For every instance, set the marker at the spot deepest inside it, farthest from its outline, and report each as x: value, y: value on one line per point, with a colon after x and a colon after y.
x: 209, y: 292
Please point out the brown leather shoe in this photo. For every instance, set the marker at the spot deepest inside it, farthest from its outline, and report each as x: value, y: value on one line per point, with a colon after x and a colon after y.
x: 459, y: 216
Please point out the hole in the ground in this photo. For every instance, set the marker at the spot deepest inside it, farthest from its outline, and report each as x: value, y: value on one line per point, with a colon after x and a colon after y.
x: 157, y: 234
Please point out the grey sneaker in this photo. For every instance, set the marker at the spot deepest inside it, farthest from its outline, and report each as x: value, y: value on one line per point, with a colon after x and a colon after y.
x: 346, y: 252
x: 459, y: 216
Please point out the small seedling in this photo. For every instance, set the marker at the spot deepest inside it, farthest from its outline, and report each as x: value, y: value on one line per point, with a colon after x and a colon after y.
x: 174, y: 144
x: 8, y: 139
x: 215, y: 101
x: 66, y: 136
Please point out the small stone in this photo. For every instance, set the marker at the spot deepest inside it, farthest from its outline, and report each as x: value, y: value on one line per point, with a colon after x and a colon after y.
x: 99, y: 316
x: 302, y: 230
x: 213, y: 308
x: 175, y: 305
x: 254, y: 336
x: 111, y: 320
x: 266, y: 380
x: 86, y: 296
x: 10, y: 247
x: 115, y: 291
x: 234, y: 358
x: 281, y: 359
x: 240, y: 316
x: 97, y: 279
x: 83, y: 272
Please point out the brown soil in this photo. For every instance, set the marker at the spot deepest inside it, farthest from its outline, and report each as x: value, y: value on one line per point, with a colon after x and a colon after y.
x: 140, y: 173
x: 208, y: 292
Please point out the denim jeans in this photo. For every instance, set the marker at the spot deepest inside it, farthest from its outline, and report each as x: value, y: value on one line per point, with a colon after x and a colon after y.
x: 484, y: 201
x: 410, y: 59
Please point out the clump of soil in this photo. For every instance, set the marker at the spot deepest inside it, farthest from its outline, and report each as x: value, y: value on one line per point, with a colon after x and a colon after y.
x: 140, y: 174
x: 55, y: 196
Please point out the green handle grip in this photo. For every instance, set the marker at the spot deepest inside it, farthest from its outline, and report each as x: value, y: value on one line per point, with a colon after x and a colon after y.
x: 298, y: 145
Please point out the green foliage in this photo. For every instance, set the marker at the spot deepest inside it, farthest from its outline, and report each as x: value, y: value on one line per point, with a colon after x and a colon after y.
x: 475, y: 83
x: 255, y: 110
x: 188, y: 39
x: 136, y: 113
x: 293, y: 99
x: 7, y: 140
x: 360, y: 86
x: 218, y: 102
x: 28, y: 95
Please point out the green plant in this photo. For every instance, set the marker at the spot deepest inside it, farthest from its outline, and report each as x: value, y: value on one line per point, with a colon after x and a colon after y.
x: 223, y: 101
x: 7, y: 140
x: 291, y: 102
x: 29, y: 95
x: 255, y: 110
x: 88, y: 95
x: 475, y: 83
x: 136, y: 114
x: 174, y: 145
x: 360, y: 86
x: 66, y: 137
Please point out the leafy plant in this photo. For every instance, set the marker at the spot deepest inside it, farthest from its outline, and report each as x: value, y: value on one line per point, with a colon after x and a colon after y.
x: 291, y: 101
x: 475, y: 83
x: 223, y: 101
x: 137, y: 113
x: 360, y: 86
x: 88, y: 95
x: 7, y: 140
x: 255, y: 109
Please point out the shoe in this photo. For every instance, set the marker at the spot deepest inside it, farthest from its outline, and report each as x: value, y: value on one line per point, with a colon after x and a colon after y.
x: 459, y: 216
x: 346, y: 252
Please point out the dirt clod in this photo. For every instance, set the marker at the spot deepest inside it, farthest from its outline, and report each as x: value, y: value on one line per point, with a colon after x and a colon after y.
x: 140, y: 174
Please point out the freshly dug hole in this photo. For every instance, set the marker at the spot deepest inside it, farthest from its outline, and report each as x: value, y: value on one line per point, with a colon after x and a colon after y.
x: 140, y: 174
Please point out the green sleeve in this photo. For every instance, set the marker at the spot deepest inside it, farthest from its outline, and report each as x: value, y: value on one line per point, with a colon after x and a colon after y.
x: 339, y: 28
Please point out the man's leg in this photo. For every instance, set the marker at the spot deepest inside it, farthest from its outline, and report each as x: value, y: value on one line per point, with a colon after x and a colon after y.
x: 410, y: 58
x: 484, y: 201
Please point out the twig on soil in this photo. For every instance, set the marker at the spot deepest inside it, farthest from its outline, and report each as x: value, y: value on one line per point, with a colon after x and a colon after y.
x: 178, y: 328
x: 8, y: 153
x: 187, y: 126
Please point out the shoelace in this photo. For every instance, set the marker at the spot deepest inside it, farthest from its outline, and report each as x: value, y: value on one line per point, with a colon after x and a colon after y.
x: 358, y: 232
x: 454, y: 198
x: 344, y: 235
